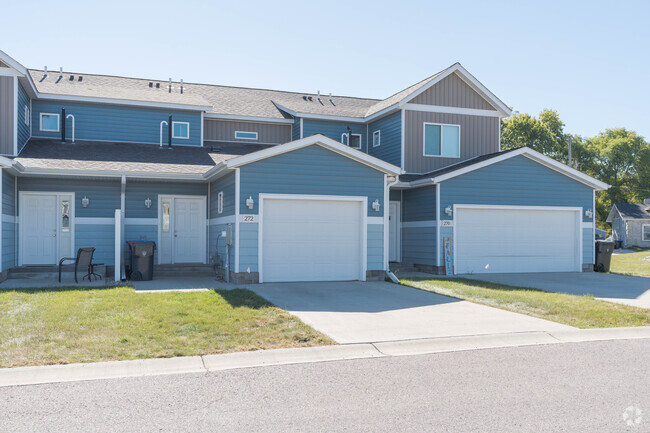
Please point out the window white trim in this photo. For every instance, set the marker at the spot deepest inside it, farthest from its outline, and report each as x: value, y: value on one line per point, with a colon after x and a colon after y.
x: 424, y: 139
x: 377, y: 133
x: 220, y: 202
x: 180, y: 136
x: 27, y: 114
x: 246, y: 132
x: 643, y: 238
x: 345, y: 139
x: 58, y: 125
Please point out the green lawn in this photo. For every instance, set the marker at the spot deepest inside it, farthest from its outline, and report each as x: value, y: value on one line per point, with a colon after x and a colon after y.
x: 578, y: 311
x: 59, y: 326
x: 632, y: 263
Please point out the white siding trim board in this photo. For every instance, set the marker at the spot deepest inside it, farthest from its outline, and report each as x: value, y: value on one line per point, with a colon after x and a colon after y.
x: 451, y: 110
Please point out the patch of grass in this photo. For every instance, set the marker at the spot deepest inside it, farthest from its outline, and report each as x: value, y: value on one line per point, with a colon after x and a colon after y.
x: 631, y: 263
x: 68, y: 325
x: 578, y: 311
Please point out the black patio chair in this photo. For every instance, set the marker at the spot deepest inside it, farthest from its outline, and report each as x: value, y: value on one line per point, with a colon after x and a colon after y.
x: 84, y: 260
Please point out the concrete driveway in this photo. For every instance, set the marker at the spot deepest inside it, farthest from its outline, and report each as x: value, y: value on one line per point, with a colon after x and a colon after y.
x: 361, y: 312
x: 623, y: 289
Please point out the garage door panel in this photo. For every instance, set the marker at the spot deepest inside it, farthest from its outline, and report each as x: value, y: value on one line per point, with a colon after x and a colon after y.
x: 516, y: 240
x: 311, y: 240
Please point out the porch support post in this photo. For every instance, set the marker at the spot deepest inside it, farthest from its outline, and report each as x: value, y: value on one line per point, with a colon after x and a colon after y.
x: 118, y: 245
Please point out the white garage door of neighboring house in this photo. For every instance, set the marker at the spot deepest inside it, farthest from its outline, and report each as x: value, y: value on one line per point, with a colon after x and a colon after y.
x: 311, y: 240
x: 511, y: 239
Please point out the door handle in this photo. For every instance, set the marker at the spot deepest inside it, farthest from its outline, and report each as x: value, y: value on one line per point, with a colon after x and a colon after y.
x: 54, y: 235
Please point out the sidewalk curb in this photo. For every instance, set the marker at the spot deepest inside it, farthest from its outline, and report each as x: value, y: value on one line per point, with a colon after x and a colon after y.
x: 219, y: 362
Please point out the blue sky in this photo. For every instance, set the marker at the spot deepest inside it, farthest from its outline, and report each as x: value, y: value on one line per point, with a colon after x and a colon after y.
x: 589, y: 60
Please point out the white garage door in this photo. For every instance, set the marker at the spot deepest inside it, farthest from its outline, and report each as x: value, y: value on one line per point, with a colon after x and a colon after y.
x: 311, y: 240
x: 493, y: 240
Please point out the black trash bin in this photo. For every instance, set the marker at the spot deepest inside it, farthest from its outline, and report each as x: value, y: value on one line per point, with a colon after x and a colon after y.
x: 141, y: 260
x: 604, y: 250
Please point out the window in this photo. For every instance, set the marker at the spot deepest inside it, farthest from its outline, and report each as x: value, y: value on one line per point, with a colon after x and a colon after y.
x: 220, y: 202
x: 65, y: 216
x: 441, y: 140
x: 352, y: 140
x: 181, y: 130
x: 165, y: 217
x: 49, y: 122
x: 376, y: 138
x: 26, y: 115
x: 246, y: 135
x: 645, y: 232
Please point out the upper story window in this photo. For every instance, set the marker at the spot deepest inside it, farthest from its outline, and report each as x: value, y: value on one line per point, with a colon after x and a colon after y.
x: 352, y: 140
x: 49, y: 122
x: 376, y: 138
x: 181, y: 130
x: 441, y: 140
x: 26, y: 115
x: 246, y: 135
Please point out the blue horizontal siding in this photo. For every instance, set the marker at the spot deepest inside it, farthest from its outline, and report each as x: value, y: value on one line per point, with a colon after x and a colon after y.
x: 295, y: 129
x: 217, y: 246
x: 390, y: 148
x: 104, y: 195
x: 395, y: 195
x: 99, y: 236
x: 419, y: 204
x: 227, y: 185
x: 138, y: 191
x: 106, y: 122
x: 8, y: 194
x: 248, y: 238
x: 375, y: 256
x: 310, y: 170
x: 419, y: 245
x: 8, y: 245
x: 588, y: 246
x: 23, y: 128
x: 333, y: 130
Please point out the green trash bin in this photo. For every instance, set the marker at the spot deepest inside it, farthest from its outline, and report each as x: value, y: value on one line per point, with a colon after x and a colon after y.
x: 604, y: 250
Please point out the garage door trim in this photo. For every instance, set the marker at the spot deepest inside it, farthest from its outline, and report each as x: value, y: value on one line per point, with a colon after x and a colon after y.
x: 363, y: 200
x: 577, y: 210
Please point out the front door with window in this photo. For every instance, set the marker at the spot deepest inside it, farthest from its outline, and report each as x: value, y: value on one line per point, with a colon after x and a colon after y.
x: 46, y: 231
x: 182, y: 230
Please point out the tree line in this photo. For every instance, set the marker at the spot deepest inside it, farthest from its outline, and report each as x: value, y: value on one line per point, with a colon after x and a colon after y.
x: 619, y: 157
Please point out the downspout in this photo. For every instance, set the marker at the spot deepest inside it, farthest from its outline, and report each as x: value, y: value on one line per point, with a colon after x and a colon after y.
x: 16, y: 219
x: 389, y: 274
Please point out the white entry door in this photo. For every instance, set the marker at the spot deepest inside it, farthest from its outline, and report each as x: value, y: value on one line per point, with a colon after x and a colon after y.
x: 182, y: 230
x: 311, y: 240
x: 393, y: 232
x: 46, y: 228
x: 517, y: 239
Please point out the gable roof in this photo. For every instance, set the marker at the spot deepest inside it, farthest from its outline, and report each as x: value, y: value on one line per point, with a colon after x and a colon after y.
x: 478, y: 162
x: 630, y: 211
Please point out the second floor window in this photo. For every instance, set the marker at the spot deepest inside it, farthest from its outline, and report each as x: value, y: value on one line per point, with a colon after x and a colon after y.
x: 376, y: 138
x: 441, y: 140
x: 352, y: 140
x: 49, y: 122
x: 181, y: 130
x: 246, y: 135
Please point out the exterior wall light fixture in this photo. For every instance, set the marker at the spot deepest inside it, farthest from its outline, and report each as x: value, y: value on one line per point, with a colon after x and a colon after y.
x: 250, y: 203
x: 448, y: 210
x: 589, y: 213
x: 85, y: 201
x: 147, y: 203
x: 376, y: 206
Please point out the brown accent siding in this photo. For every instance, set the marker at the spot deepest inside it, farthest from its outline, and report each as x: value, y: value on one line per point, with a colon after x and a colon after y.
x: 7, y: 113
x: 479, y: 135
x: 452, y: 91
x: 224, y: 130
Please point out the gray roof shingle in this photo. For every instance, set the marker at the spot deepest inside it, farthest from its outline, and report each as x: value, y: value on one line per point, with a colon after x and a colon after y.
x: 128, y: 157
x: 634, y: 210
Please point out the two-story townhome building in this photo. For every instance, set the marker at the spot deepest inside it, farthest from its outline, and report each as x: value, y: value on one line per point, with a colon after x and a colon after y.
x: 280, y: 186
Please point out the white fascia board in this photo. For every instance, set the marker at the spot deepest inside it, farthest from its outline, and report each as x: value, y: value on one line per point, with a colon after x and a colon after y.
x: 535, y: 156
x: 9, y: 61
x: 9, y: 72
x: 470, y: 80
x: 451, y: 110
x: 113, y: 174
x: 321, y: 140
x: 216, y: 171
x: 233, y: 117
x: 320, y: 116
x: 50, y: 96
x: 6, y: 162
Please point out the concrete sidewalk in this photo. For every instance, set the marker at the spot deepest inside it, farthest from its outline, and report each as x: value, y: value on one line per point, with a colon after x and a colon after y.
x: 208, y: 363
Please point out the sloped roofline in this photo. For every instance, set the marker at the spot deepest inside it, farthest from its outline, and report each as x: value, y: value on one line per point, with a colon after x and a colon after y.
x: 523, y: 151
x: 317, y: 139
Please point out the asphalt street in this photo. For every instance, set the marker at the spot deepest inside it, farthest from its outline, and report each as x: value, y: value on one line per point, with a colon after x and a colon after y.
x: 574, y: 387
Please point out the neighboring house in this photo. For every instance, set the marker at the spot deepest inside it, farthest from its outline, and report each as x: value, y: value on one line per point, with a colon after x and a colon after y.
x: 631, y: 224
x: 312, y: 186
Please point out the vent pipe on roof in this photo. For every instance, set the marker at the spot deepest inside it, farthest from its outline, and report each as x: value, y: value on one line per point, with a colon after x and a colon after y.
x: 319, y: 97
x: 330, y: 99
x: 61, y: 72
x: 170, y: 85
x: 181, y: 86
x: 44, y: 71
